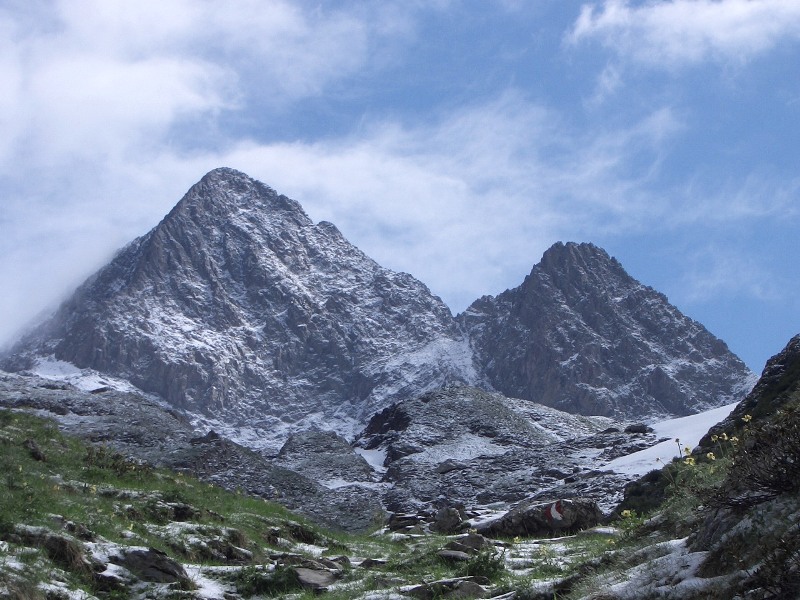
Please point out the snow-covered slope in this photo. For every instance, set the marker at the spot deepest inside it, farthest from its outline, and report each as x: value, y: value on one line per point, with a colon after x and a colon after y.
x: 676, y: 435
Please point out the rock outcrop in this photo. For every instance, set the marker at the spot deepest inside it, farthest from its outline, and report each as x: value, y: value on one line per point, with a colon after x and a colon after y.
x: 139, y: 428
x: 464, y: 445
x: 583, y: 336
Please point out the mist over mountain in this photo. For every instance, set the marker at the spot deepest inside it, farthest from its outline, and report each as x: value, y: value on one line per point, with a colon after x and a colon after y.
x: 237, y: 307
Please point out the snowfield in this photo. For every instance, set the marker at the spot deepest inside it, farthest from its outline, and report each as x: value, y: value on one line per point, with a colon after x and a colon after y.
x: 689, y: 430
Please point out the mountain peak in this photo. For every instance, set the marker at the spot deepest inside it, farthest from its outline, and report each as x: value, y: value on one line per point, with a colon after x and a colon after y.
x: 240, y: 309
x: 584, y: 255
x: 581, y: 335
x: 224, y: 192
x: 237, y: 306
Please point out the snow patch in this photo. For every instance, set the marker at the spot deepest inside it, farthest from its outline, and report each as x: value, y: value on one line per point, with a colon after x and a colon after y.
x: 206, y: 588
x: 689, y: 430
x: 375, y: 458
x: 86, y: 380
x: 467, y: 447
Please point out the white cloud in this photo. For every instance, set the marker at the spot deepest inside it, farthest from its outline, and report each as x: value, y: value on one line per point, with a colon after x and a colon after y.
x: 716, y: 272
x: 752, y: 197
x: 676, y: 33
x: 469, y: 203
x: 89, y: 79
x: 95, y: 96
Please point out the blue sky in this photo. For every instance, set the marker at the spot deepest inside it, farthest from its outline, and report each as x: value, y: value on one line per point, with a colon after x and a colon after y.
x: 454, y: 140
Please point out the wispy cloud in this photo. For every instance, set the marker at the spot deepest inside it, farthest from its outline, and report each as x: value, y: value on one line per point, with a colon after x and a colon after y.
x: 485, y: 190
x: 716, y: 272
x: 677, y: 33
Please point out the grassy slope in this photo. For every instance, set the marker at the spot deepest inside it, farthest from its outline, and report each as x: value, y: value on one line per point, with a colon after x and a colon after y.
x: 232, y: 545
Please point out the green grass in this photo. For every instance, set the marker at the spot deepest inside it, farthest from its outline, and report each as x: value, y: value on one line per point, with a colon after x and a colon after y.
x: 91, y: 492
x: 87, y: 492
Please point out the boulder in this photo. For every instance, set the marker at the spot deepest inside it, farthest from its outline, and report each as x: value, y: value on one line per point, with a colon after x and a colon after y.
x: 151, y: 565
x: 369, y: 563
x: 453, y: 555
x: 475, y: 541
x: 402, y: 521
x: 314, y: 579
x: 447, y: 520
x: 638, y: 428
x: 544, y: 518
x: 471, y: 543
x: 459, y: 587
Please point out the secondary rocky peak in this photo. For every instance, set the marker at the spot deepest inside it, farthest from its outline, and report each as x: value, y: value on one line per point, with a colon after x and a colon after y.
x: 582, y: 335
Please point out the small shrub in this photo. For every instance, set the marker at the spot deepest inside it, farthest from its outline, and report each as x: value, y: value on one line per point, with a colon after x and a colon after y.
x: 765, y: 466
x: 630, y: 522
x: 254, y: 581
x: 104, y: 458
x: 487, y: 563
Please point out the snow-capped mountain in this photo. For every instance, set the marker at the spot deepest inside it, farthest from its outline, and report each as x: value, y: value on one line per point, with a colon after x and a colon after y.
x: 240, y: 310
x: 583, y: 336
x: 238, y: 306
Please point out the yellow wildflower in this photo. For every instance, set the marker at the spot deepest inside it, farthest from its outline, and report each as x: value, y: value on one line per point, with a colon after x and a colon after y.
x: 689, y: 461
x: 747, y: 418
x: 725, y: 437
x: 710, y: 456
x: 687, y: 451
x: 714, y: 438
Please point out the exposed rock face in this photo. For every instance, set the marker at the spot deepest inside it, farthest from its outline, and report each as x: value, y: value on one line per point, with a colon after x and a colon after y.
x: 241, y: 311
x: 744, y: 540
x: 238, y: 306
x: 323, y: 456
x: 779, y: 381
x: 583, y: 336
x: 464, y: 445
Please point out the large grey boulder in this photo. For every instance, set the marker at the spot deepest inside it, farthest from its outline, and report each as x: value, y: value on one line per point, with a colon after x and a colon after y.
x: 534, y: 519
x: 151, y: 565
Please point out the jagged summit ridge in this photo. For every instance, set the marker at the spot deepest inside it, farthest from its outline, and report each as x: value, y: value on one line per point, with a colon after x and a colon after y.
x: 238, y: 308
x: 581, y: 335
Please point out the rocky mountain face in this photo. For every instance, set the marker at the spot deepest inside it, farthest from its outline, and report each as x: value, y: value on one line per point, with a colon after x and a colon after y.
x: 242, y: 312
x: 464, y: 446
x: 726, y: 519
x: 583, y: 336
x: 238, y: 306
